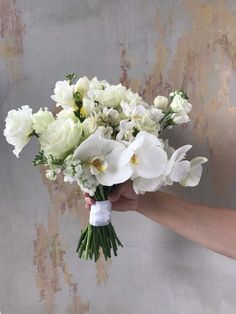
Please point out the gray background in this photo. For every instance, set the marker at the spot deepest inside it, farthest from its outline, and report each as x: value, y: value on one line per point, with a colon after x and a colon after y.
x: 154, y: 47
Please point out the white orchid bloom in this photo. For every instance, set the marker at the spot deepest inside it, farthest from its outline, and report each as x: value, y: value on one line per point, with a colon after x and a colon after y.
x: 146, y: 156
x: 102, y: 157
x: 177, y: 168
x: 195, y: 172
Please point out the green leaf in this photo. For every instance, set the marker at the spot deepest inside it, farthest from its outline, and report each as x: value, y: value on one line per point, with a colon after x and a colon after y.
x: 40, y: 159
x: 70, y: 77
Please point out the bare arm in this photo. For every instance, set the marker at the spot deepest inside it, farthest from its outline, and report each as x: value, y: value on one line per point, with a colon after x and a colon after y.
x: 211, y: 227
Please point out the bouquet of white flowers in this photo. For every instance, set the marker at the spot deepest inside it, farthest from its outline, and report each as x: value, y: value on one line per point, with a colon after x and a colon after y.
x: 102, y: 136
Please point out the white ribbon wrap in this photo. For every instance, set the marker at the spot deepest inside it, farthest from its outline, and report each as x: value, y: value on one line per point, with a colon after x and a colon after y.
x: 100, y: 214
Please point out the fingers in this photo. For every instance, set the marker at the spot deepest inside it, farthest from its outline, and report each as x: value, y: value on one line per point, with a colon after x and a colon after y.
x: 119, y: 190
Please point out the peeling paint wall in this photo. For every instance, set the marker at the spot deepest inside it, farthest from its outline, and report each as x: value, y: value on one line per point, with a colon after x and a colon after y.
x: 153, y: 47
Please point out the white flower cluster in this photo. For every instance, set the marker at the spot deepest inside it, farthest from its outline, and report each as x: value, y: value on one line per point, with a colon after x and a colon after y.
x: 106, y: 134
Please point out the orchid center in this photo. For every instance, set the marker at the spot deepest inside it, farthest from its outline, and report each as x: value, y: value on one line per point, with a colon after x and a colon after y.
x: 134, y: 159
x: 98, y: 165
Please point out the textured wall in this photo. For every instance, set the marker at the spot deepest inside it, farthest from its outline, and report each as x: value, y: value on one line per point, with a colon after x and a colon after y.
x: 154, y: 47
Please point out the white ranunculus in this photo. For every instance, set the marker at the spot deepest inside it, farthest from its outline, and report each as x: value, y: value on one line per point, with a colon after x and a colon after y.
x: 181, y: 108
x: 19, y: 127
x: 145, y: 123
x: 60, y: 137
x: 111, y: 96
x: 63, y: 94
x: 102, y: 156
x: 82, y: 86
x: 161, y: 102
x: 195, y: 171
x: 41, y: 120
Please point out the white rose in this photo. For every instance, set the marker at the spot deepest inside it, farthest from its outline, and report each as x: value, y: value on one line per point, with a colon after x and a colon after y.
x: 19, y: 127
x: 161, y: 102
x: 82, y: 86
x: 111, y: 96
x: 60, y: 137
x: 63, y: 94
x: 41, y: 120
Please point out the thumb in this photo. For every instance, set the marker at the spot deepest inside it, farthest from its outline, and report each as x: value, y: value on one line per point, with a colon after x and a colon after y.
x: 118, y: 191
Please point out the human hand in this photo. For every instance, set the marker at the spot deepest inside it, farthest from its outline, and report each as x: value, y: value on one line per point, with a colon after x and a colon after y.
x: 123, y: 198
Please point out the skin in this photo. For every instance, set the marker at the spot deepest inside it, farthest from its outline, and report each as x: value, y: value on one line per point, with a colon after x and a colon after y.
x: 211, y: 227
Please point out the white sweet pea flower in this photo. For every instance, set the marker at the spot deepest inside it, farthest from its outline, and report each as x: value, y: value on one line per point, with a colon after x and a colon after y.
x: 88, y: 107
x: 82, y: 86
x: 111, y: 96
x: 128, y: 108
x: 60, y: 137
x: 126, y: 128
x: 95, y: 84
x: 156, y: 114
x: 19, y: 127
x: 63, y: 94
x: 89, y: 126
x: 41, y: 120
x: 111, y: 115
x: 105, y: 131
x: 181, y: 108
x: 161, y: 102
x: 51, y: 174
x: 194, y: 173
x: 102, y: 157
x: 145, y: 156
x: 67, y: 114
x: 138, y: 112
x: 132, y: 97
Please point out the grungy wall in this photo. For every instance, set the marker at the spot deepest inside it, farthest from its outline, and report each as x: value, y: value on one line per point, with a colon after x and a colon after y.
x: 153, y: 47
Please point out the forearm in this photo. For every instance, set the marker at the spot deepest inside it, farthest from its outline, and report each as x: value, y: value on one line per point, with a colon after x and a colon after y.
x: 213, y: 228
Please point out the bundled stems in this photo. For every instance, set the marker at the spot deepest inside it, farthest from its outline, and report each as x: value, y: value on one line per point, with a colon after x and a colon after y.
x: 94, y: 238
